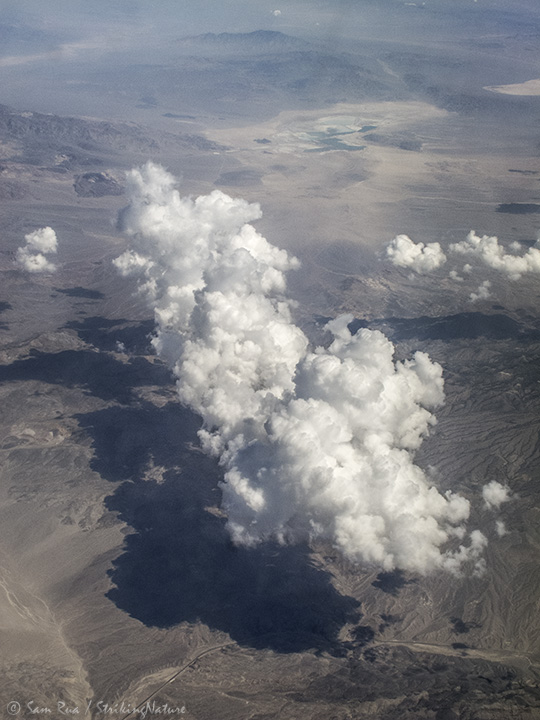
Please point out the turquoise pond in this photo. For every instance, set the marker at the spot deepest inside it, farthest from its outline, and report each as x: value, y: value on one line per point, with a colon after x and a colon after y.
x: 331, y: 139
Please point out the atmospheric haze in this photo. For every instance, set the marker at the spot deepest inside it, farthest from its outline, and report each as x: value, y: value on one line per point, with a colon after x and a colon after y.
x: 314, y: 442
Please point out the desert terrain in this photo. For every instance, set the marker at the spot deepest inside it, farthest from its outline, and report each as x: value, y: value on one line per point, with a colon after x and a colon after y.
x: 119, y: 581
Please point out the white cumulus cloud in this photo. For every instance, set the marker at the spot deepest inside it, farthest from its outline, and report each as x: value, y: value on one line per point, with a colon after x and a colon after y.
x: 488, y: 250
x: 313, y: 442
x: 482, y: 292
x: 421, y: 258
x: 32, y: 256
x: 495, y: 494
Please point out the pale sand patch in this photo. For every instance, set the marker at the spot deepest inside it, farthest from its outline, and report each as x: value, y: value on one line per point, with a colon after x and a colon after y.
x: 364, y: 198
x: 315, y: 198
x: 286, y: 130
x: 531, y: 88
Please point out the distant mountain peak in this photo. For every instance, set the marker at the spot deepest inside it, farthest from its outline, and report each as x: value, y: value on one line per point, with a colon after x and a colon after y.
x: 257, y: 39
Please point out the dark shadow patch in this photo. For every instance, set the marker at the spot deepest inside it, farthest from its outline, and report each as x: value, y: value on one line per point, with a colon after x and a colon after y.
x: 369, y: 655
x: 96, y: 373
x: 388, y: 620
x: 239, y: 178
x: 468, y: 325
x: 106, y: 334
x: 176, y: 116
x: 363, y: 635
x: 3, y: 307
x: 460, y: 627
x: 446, y: 714
x: 147, y: 102
x: 80, y: 292
x: 523, y: 172
x: 460, y: 646
x: 97, y: 184
x: 179, y: 564
x: 391, y: 582
x: 126, y: 440
x: 518, y: 208
x: 355, y: 325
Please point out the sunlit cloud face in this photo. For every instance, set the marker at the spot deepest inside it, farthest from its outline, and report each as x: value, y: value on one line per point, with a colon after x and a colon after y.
x: 495, y: 494
x: 403, y: 252
x: 314, y: 442
x: 488, y: 250
x: 32, y: 257
x: 482, y: 293
x: 485, y: 250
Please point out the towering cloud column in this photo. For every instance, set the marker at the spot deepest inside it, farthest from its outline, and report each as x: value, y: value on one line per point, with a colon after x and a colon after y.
x: 313, y: 442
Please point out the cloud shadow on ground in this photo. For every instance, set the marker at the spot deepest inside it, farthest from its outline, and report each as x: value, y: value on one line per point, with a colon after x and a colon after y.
x: 105, y: 334
x: 96, y: 373
x: 179, y: 564
x: 467, y: 325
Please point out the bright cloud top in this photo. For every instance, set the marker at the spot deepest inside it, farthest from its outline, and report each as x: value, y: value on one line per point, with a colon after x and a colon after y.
x: 495, y: 494
x: 488, y: 250
x: 313, y: 442
x: 31, y: 257
x: 403, y: 252
x: 421, y: 258
x: 482, y: 292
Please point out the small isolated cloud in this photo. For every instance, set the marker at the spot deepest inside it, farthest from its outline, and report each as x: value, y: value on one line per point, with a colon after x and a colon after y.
x: 43, y: 240
x: 276, y: 13
x: 314, y: 442
x: 495, y: 494
x: 32, y: 256
x: 500, y: 528
x: 34, y: 262
x: 454, y: 275
x: 488, y: 250
x: 421, y: 258
x: 482, y: 293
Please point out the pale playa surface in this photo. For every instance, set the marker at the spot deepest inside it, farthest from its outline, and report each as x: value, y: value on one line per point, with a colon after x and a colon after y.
x: 365, y: 198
